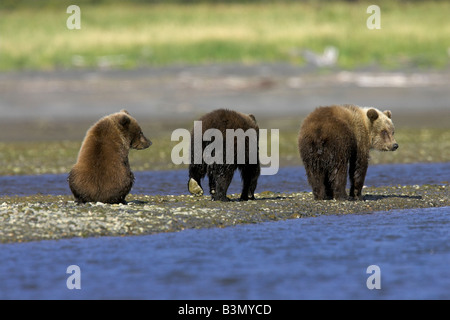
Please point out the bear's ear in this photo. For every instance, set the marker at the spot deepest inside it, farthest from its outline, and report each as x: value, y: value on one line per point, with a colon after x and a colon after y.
x: 372, y: 114
x: 388, y: 113
x: 124, y: 121
x: 252, y: 117
x: 125, y: 111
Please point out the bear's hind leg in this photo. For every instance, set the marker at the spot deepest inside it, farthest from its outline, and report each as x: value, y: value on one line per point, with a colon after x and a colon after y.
x: 339, y: 182
x: 249, y: 174
x: 357, y: 174
x: 222, y: 177
x: 319, y: 187
x: 317, y: 181
x: 79, y: 197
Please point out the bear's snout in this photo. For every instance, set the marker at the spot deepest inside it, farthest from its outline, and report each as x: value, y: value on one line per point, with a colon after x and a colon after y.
x: 141, y: 144
x: 144, y: 143
x: 394, y: 146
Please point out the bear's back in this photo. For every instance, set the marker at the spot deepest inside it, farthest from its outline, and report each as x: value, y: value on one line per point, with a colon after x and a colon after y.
x: 100, y: 145
x: 324, y: 123
x: 223, y: 119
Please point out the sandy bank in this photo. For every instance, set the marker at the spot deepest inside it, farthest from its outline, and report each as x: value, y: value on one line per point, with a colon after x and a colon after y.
x: 42, y: 217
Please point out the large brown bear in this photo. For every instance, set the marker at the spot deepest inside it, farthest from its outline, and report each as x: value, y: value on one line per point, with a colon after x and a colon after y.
x: 337, y: 138
x: 102, y: 172
x: 220, y: 171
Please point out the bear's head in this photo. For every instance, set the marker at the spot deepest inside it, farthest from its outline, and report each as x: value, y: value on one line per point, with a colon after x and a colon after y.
x: 131, y: 131
x: 251, y: 116
x: 381, y: 130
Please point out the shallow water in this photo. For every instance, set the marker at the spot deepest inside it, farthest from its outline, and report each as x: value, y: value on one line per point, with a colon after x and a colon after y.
x: 290, y: 179
x: 311, y: 258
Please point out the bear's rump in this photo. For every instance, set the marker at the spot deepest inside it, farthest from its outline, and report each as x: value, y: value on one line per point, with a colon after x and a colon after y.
x: 102, y: 186
x: 327, y: 143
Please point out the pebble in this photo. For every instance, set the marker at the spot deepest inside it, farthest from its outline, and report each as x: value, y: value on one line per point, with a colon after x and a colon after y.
x: 43, y: 217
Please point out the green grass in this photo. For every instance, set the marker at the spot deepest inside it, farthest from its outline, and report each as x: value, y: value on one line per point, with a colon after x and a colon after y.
x: 129, y: 36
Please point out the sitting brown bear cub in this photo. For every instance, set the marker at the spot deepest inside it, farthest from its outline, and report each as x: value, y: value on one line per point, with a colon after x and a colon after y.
x: 335, y: 139
x: 102, y: 172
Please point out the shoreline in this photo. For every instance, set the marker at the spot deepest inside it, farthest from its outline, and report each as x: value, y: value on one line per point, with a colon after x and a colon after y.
x: 40, y: 217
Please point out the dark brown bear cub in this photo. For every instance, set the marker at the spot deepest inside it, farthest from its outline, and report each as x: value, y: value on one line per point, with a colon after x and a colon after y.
x: 102, y: 172
x: 337, y: 139
x: 229, y: 141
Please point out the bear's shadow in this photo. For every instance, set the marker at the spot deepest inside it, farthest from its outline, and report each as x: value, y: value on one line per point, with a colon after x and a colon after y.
x: 140, y: 202
x: 375, y: 197
x: 259, y: 199
x: 366, y: 197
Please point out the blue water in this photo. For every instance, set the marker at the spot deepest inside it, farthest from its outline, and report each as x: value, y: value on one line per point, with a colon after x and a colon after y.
x: 311, y: 258
x: 288, y: 179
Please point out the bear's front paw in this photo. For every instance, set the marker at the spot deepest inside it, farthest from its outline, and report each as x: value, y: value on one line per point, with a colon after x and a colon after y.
x: 194, y: 188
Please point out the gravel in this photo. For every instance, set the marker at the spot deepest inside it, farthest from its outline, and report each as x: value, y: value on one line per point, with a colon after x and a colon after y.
x: 41, y: 217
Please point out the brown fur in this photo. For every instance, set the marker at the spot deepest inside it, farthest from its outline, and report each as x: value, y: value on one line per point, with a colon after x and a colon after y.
x: 337, y: 139
x: 220, y: 175
x: 102, y: 172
